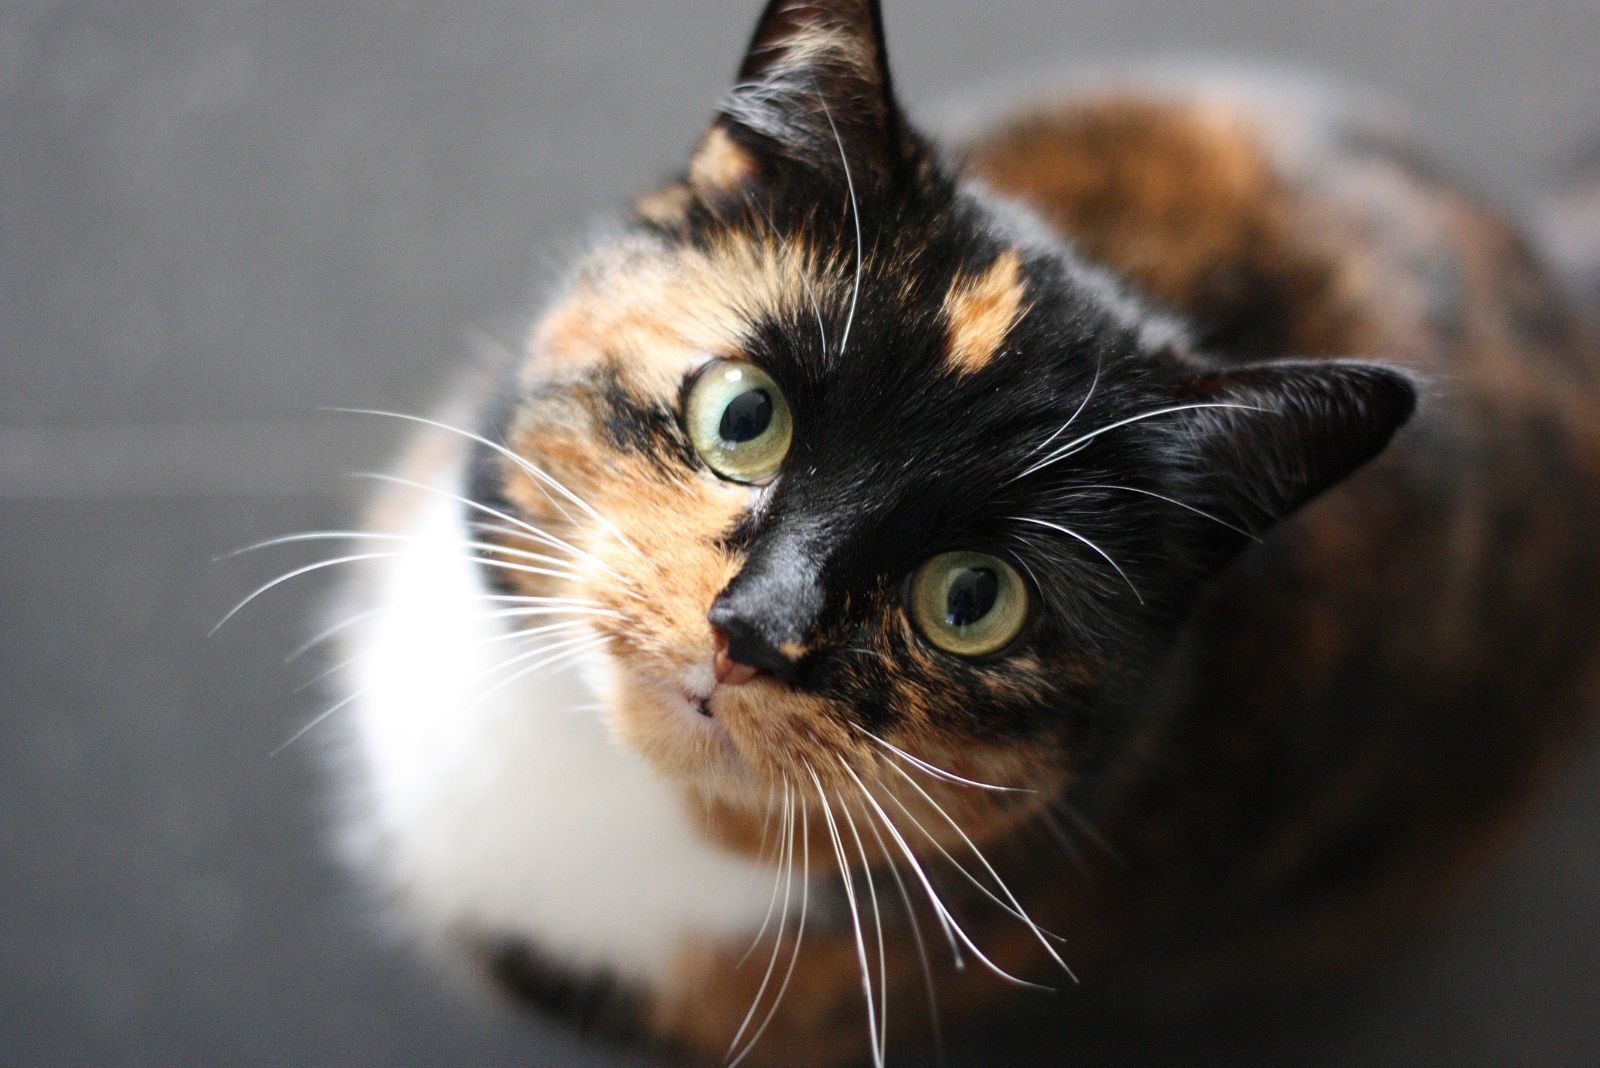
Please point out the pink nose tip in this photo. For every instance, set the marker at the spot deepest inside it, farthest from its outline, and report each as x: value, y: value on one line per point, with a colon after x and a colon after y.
x: 729, y: 672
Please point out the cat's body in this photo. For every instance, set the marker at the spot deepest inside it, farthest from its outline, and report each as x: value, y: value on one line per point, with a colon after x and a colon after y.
x: 1439, y: 645
x: 1253, y: 784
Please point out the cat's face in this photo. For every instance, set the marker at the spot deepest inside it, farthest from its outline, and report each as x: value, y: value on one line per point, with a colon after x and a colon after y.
x: 829, y: 412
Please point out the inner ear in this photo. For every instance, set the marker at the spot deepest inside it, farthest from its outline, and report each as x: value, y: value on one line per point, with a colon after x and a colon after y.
x: 1262, y: 441
x: 814, y: 84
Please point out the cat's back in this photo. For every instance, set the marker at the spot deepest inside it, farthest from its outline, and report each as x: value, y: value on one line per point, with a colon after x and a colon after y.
x: 1416, y: 645
x: 1282, y: 220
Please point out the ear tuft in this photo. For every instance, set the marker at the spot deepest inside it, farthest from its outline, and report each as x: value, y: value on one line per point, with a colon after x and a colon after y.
x: 815, y: 83
x: 847, y: 34
x: 1295, y: 429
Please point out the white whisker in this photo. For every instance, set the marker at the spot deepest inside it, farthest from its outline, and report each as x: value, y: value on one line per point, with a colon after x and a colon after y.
x: 558, y: 658
x: 1063, y: 451
x: 799, y: 936
x: 1180, y: 504
x: 952, y: 928
x: 961, y: 868
x: 1089, y: 830
x: 539, y: 536
x: 477, y: 506
x: 534, y: 632
x: 537, y: 651
x: 312, y: 535
x: 855, y: 916
x: 786, y: 870
x: 540, y: 476
x: 296, y: 573
x: 1038, y: 932
x: 364, y: 535
x: 942, y: 915
x: 1059, y: 833
x: 916, y: 935
x: 323, y: 674
x: 328, y: 632
x: 772, y: 903
x: 554, y: 610
x: 529, y: 599
x: 570, y: 624
x: 317, y: 721
x: 1062, y: 429
x: 766, y: 823
x: 877, y: 924
x: 855, y: 216
x: 1069, y: 532
x: 355, y: 558
x: 937, y: 772
x: 528, y: 569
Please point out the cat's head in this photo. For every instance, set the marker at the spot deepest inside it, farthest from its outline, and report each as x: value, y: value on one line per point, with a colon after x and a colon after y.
x: 877, y: 449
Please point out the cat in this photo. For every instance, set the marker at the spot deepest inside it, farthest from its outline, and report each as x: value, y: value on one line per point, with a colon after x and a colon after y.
x: 1146, y: 548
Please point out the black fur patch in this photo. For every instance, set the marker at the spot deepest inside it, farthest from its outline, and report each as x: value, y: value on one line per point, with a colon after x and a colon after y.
x: 640, y: 425
x: 593, y: 1003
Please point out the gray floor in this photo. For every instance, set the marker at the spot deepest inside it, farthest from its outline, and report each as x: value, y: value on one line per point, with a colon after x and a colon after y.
x: 217, y: 217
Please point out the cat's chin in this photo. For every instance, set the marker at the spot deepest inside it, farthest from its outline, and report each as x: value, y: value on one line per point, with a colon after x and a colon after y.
x: 683, y: 736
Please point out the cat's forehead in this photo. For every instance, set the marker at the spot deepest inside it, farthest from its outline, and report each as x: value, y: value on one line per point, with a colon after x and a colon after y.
x: 651, y: 306
x: 935, y: 302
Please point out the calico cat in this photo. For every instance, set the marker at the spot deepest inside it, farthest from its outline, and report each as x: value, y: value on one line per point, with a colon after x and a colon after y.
x: 1149, y: 545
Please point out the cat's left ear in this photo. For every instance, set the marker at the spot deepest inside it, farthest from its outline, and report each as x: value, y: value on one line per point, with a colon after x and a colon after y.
x: 1261, y: 441
x: 813, y: 88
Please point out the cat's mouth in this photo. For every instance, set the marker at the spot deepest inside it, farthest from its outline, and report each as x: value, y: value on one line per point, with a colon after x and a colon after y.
x: 722, y: 739
x: 700, y: 705
x: 697, y: 690
x: 677, y: 719
x: 726, y: 673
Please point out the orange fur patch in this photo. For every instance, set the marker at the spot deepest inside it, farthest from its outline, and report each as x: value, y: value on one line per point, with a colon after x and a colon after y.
x: 982, y: 310
x: 665, y: 207
x: 1182, y: 198
x: 658, y: 310
x: 653, y: 312
x: 720, y: 165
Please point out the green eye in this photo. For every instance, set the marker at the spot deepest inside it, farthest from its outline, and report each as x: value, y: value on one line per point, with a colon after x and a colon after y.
x: 738, y: 421
x: 969, y: 604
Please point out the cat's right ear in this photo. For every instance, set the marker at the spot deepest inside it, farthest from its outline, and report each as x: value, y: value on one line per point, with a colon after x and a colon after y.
x: 813, y: 89
x: 1252, y: 444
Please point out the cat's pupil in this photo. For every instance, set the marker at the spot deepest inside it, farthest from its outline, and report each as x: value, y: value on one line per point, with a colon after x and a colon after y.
x: 972, y: 594
x: 746, y: 417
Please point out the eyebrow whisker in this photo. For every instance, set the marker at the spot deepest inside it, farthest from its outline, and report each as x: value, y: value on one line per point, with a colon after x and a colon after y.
x: 1069, y: 532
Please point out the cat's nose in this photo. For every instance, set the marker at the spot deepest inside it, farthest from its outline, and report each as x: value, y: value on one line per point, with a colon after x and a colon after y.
x: 770, y: 609
x: 728, y: 671
x: 743, y: 652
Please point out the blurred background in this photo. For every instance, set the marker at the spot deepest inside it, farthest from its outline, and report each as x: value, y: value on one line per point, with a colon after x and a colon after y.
x: 218, y: 216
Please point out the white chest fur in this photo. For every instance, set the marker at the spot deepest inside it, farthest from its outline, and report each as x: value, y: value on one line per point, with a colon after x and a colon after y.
x: 517, y: 815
